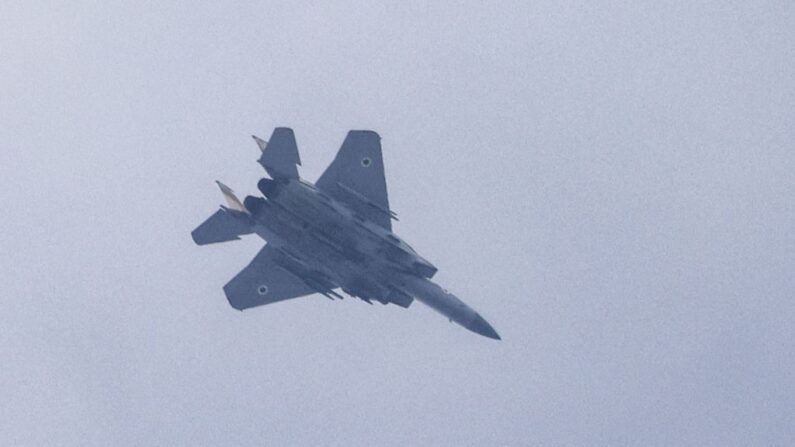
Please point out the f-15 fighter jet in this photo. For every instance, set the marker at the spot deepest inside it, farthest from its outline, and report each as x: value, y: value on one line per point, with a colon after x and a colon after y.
x: 335, y: 234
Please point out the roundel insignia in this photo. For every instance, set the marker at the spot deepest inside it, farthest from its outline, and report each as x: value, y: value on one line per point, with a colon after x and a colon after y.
x: 366, y: 162
x: 262, y: 290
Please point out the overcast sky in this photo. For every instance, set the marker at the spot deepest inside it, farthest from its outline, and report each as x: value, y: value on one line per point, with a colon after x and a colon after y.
x: 610, y: 184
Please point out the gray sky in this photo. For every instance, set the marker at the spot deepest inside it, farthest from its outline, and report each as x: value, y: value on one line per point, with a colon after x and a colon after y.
x: 609, y: 183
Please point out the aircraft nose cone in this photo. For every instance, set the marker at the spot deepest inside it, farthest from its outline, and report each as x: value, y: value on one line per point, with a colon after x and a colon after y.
x: 482, y: 327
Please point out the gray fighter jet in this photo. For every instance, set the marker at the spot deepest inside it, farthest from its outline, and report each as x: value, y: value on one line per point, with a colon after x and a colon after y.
x: 335, y: 234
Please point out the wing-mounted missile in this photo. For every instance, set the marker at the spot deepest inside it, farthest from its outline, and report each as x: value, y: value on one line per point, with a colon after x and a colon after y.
x: 322, y: 288
x: 368, y: 290
x: 358, y: 197
x: 280, y: 154
x: 311, y: 277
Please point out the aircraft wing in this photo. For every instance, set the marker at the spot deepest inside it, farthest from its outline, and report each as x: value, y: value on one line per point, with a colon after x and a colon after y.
x: 263, y: 281
x: 356, y: 177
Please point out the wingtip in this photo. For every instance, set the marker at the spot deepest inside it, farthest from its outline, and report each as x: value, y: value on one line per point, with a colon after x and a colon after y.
x: 364, y: 133
x: 195, y: 237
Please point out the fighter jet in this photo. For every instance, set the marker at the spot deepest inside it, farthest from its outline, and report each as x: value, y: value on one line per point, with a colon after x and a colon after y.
x: 331, y: 235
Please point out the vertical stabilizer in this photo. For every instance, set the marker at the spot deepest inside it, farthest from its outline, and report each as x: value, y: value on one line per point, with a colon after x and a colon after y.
x: 280, y: 154
x: 231, y: 200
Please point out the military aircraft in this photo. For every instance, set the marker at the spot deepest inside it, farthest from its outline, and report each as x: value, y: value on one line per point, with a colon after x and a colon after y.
x: 335, y: 234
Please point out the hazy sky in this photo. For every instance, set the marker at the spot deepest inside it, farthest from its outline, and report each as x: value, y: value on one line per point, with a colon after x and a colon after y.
x: 610, y: 184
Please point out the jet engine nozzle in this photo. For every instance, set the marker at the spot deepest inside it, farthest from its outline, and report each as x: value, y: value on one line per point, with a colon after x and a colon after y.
x: 268, y: 187
x: 253, y: 204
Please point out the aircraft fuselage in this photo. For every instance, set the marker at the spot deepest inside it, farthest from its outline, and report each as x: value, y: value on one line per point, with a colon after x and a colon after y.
x: 325, y: 241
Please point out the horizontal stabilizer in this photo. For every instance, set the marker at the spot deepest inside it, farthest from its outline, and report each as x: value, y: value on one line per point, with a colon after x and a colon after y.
x: 225, y: 225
